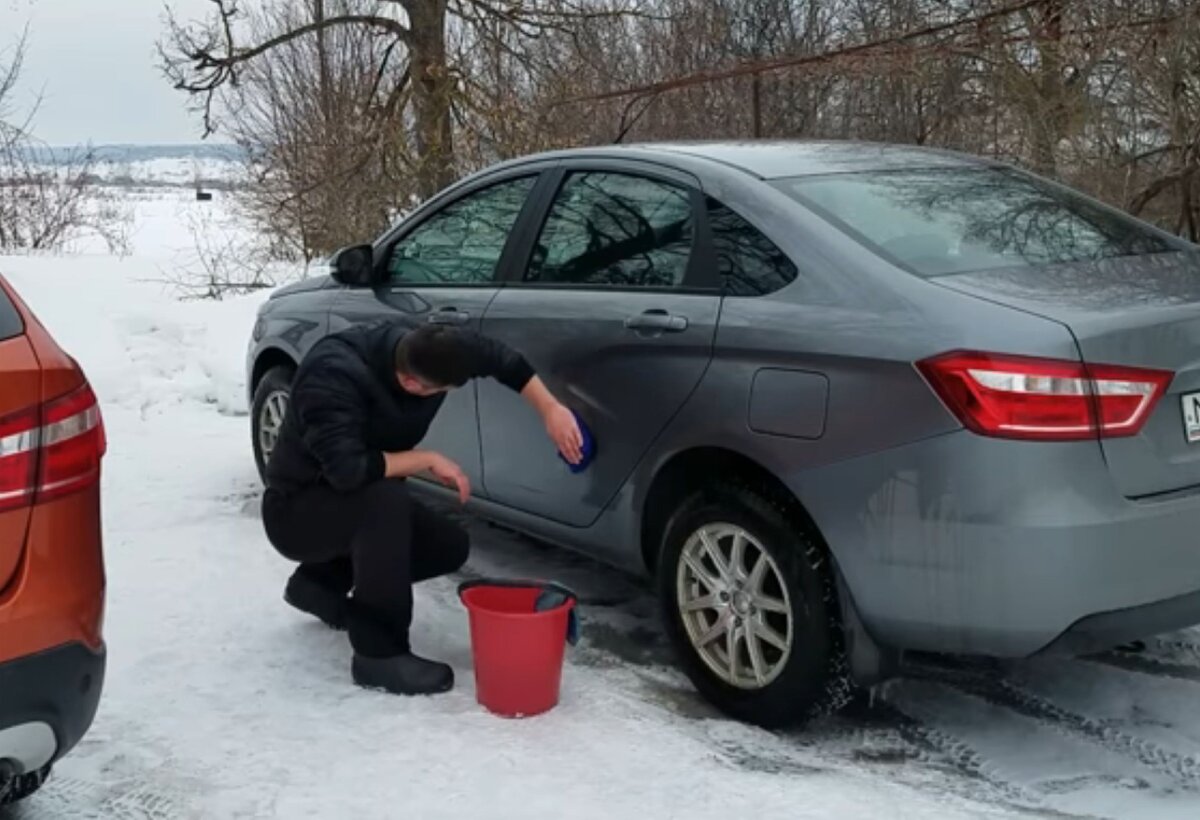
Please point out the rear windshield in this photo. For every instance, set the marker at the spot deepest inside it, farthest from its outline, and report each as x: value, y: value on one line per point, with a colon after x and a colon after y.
x: 10, y: 321
x: 934, y: 222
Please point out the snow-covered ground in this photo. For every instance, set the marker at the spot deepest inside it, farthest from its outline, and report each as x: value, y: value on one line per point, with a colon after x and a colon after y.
x: 221, y: 702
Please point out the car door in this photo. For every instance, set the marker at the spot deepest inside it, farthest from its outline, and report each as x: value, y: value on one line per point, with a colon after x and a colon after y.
x: 616, y: 307
x: 444, y: 267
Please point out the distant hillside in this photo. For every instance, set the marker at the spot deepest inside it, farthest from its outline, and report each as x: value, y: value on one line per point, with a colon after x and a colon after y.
x: 185, y: 165
x: 143, y: 153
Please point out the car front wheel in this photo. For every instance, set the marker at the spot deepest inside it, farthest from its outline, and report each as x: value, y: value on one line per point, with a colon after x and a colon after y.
x: 749, y: 603
x: 267, y: 413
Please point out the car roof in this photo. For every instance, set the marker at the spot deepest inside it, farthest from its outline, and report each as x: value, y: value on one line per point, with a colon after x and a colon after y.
x: 773, y: 159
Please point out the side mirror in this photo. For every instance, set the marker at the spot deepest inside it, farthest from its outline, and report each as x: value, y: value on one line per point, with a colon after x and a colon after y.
x: 353, y: 266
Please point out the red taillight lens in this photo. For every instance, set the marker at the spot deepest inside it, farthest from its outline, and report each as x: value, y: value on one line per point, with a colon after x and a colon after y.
x: 48, y: 452
x: 18, y: 459
x: 1045, y: 399
x: 72, y: 444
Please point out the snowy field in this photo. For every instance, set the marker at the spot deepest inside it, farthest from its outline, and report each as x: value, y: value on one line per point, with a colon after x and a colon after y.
x: 221, y: 702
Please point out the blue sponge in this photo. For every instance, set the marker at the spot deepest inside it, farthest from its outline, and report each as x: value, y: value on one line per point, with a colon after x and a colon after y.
x: 589, y: 447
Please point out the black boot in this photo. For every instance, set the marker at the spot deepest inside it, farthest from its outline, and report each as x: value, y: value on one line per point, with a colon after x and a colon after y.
x: 384, y: 660
x: 311, y: 596
x: 406, y: 674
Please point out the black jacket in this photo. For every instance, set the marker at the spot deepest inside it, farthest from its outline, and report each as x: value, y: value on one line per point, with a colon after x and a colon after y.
x: 347, y: 408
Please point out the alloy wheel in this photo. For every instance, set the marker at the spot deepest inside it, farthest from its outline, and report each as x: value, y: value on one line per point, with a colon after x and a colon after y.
x: 270, y: 422
x: 734, y: 605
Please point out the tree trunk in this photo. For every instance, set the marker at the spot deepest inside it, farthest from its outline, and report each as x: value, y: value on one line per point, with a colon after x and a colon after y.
x: 1050, y: 109
x: 432, y: 91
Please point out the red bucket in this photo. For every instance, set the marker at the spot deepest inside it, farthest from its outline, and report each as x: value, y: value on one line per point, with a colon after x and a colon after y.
x: 518, y: 650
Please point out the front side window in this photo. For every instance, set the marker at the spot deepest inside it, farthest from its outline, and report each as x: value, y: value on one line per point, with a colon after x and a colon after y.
x: 937, y: 222
x: 462, y: 243
x: 615, y: 230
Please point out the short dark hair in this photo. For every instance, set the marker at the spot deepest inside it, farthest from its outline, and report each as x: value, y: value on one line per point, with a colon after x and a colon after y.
x: 435, y: 354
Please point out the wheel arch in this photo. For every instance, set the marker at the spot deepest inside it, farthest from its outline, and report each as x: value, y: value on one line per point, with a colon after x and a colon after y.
x: 687, y: 471
x: 268, y: 359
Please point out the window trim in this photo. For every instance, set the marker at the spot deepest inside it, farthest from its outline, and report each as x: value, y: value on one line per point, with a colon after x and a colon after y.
x: 386, y: 244
x: 700, y: 276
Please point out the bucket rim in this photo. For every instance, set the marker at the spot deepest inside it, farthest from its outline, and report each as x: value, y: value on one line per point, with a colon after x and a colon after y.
x: 517, y: 583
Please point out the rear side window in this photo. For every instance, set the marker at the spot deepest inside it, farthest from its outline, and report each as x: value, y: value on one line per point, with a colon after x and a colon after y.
x: 749, y: 263
x: 10, y: 321
x: 936, y: 222
x: 615, y: 230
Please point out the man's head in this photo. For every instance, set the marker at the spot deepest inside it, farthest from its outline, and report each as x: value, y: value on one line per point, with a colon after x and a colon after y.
x: 432, y: 359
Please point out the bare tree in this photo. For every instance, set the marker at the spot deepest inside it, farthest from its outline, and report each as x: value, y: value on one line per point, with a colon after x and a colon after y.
x: 47, y: 199
x: 202, y: 60
x: 356, y: 109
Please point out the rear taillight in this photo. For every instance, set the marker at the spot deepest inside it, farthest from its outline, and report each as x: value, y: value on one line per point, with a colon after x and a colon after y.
x: 72, y: 445
x: 18, y: 459
x: 1045, y: 399
x: 51, y: 451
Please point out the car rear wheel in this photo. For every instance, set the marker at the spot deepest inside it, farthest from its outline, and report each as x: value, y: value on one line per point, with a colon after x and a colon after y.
x: 749, y: 602
x: 22, y: 786
x: 269, y: 407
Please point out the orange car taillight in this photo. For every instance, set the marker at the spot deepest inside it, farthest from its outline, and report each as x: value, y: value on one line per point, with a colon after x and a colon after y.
x: 72, y: 443
x: 19, y: 436
x: 51, y: 451
x: 1044, y: 399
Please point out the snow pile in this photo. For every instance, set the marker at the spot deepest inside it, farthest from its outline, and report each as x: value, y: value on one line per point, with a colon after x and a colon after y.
x: 222, y: 702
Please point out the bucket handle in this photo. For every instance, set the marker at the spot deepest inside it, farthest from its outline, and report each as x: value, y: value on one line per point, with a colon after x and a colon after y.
x: 516, y: 583
x: 572, y: 636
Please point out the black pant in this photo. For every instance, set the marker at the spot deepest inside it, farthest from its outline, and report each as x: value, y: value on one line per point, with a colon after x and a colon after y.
x: 378, y: 541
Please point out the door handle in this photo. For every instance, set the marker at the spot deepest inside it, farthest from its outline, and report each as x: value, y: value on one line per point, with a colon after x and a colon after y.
x: 449, y: 316
x: 658, y: 320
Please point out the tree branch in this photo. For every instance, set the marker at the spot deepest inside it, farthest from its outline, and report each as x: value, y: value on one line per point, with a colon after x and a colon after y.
x: 201, y: 67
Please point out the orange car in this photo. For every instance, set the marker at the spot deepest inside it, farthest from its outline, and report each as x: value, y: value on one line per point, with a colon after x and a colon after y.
x: 52, y: 577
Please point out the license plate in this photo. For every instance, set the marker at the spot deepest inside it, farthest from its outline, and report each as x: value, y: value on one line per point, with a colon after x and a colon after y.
x: 1191, y: 417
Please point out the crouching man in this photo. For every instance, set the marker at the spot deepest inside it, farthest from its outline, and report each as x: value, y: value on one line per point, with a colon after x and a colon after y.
x: 337, y: 501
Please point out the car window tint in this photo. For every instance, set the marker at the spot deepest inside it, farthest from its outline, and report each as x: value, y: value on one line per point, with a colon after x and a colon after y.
x: 748, y: 262
x: 462, y: 243
x: 10, y: 321
x: 937, y: 221
x: 618, y: 230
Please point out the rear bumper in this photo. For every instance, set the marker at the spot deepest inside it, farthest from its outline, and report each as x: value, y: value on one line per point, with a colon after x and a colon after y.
x: 1105, y: 630
x: 963, y: 544
x: 47, y: 704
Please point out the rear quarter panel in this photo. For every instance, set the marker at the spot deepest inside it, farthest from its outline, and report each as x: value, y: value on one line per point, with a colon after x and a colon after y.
x: 58, y: 594
x: 859, y: 324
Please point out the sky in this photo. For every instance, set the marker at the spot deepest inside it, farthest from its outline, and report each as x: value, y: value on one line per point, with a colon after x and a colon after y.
x: 95, y: 64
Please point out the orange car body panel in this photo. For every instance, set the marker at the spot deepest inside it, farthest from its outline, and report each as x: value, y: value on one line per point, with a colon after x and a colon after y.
x: 57, y: 594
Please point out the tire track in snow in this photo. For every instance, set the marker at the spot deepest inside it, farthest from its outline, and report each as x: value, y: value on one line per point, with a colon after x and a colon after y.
x: 1183, y: 770
x: 74, y: 799
x: 956, y: 756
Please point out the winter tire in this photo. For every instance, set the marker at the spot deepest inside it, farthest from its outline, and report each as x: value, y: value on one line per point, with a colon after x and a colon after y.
x: 749, y: 602
x: 266, y: 413
x: 22, y: 786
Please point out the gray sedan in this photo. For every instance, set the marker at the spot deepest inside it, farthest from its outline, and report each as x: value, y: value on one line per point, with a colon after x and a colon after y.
x: 851, y: 401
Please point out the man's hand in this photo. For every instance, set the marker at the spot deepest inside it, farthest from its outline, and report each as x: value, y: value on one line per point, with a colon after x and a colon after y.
x: 450, y: 474
x: 564, y: 431
x: 560, y: 422
x: 412, y: 462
